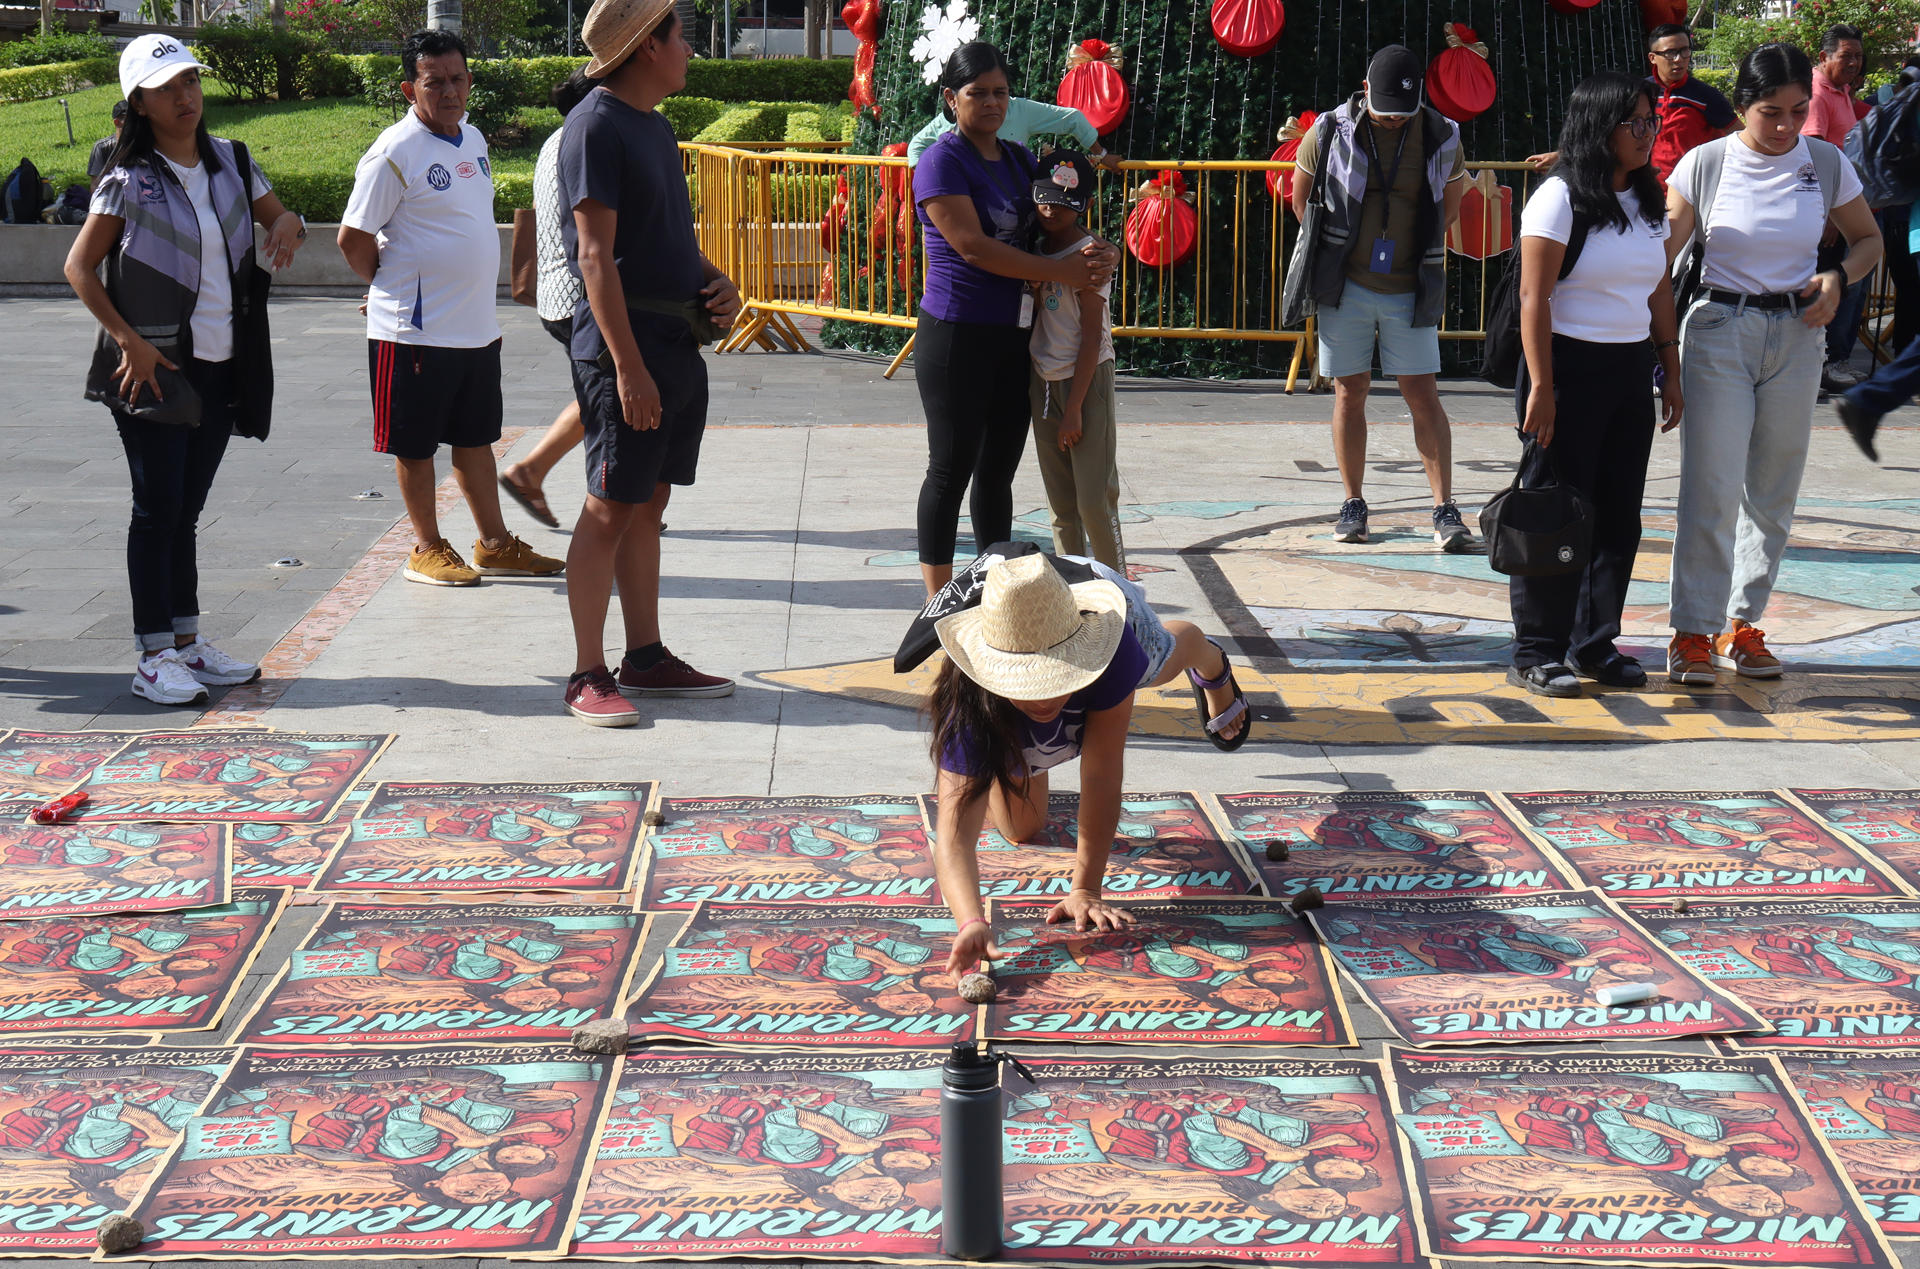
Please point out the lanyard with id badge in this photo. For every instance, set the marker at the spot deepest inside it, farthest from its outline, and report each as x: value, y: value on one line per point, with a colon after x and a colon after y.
x: 1380, y: 254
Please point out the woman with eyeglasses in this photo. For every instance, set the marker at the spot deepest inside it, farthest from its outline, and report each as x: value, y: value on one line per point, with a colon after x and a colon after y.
x: 1586, y: 418
x: 1753, y: 343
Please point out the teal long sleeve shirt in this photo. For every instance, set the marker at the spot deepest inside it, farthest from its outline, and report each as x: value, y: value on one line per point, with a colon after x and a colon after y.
x: 1025, y: 119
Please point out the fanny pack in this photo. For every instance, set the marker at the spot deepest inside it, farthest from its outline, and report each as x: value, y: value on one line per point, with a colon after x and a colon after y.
x: 693, y: 312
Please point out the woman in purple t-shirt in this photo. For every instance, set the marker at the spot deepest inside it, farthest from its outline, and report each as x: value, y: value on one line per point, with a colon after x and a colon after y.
x: 1040, y: 673
x: 973, y: 195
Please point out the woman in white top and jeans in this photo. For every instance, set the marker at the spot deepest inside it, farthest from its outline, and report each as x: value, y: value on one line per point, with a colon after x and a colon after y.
x: 1752, y: 346
x: 1582, y: 394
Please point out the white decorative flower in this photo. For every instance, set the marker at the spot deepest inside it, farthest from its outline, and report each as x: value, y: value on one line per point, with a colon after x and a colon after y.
x: 941, y: 33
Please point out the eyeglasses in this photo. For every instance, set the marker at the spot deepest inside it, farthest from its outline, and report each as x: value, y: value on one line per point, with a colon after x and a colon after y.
x: 1641, y: 128
x: 1672, y: 54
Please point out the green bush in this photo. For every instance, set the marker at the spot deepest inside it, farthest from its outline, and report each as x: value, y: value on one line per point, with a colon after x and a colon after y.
x: 689, y: 115
x: 55, y: 47
x: 30, y: 83
x: 257, y: 61
x: 787, y: 79
x: 510, y: 191
x: 748, y: 122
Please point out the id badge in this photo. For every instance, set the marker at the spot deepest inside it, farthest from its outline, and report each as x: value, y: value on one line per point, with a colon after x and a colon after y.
x: 1381, y: 260
x: 1026, y: 309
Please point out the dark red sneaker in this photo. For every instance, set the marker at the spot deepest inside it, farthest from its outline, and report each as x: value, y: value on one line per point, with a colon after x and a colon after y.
x: 670, y: 676
x: 594, y: 699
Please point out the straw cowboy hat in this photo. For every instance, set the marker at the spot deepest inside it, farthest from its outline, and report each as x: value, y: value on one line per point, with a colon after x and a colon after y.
x: 1033, y: 637
x: 613, y: 27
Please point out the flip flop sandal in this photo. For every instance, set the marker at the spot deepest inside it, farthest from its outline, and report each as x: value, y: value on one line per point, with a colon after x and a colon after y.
x: 533, y: 503
x: 1227, y: 717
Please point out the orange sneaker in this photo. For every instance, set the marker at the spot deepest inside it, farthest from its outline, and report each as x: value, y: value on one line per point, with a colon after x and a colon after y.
x: 1690, y: 660
x: 1744, y: 651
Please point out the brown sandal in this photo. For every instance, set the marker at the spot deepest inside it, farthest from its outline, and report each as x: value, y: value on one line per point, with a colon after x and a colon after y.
x: 532, y: 501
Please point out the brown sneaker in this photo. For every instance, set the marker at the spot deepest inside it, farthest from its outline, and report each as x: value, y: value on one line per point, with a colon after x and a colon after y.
x: 515, y: 559
x: 438, y: 564
x: 1744, y: 651
x: 594, y: 700
x: 1690, y: 660
x: 670, y: 676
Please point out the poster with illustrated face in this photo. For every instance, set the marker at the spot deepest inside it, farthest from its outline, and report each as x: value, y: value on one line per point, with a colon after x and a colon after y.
x: 717, y: 1156
x: 1519, y: 969
x: 1883, y: 823
x: 1380, y: 844
x: 1700, y: 845
x: 382, y: 1153
x: 1824, y: 975
x: 63, y: 870
x: 869, y: 849
x: 1866, y: 1106
x: 1163, y: 1160
x: 229, y: 777
x: 37, y: 766
x: 83, y: 1127
x: 506, y: 972
x: 290, y: 855
x: 1625, y: 1158
x: 453, y: 838
x: 853, y: 976
x: 1219, y: 971
x: 139, y: 972
x: 1166, y: 846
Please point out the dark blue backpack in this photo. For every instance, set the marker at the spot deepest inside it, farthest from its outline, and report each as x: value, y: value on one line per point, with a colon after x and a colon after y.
x: 1884, y: 148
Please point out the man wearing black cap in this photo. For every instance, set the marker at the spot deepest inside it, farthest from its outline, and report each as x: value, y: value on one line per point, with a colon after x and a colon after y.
x: 1390, y: 174
x: 104, y: 147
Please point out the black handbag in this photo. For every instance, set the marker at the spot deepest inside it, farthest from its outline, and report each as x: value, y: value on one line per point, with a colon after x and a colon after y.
x: 178, y: 403
x: 1541, y: 532
x: 252, y: 337
x: 1296, y: 290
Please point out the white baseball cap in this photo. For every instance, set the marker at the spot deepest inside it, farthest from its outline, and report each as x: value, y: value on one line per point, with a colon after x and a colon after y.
x: 152, y: 60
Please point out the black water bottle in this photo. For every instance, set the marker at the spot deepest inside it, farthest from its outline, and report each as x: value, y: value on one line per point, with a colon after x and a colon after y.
x: 970, y: 1153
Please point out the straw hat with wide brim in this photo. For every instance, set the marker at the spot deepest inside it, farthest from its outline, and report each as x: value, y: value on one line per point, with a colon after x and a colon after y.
x: 1033, y: 637
x: 613, y: 27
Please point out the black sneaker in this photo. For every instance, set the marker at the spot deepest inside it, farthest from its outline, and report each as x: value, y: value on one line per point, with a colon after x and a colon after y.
x: 1859, y: 424
x: 1450, y: 532
x: 1352, y: 524
x: 1618, y: 670
x: 1545, y: 680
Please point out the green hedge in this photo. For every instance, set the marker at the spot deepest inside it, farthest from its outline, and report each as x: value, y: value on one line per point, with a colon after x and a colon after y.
x: 744, y: 123
x: 690, y: 115
x: 30, y: 83
x: 790, y: 79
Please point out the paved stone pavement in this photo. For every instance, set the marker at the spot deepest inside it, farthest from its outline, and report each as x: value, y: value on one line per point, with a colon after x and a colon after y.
x: 793, y: 552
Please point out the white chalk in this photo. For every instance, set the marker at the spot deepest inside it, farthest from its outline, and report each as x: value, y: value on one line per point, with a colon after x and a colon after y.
x: 1625, y: 994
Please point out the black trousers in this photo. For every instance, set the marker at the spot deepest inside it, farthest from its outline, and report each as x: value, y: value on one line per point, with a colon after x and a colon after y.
x: 973, y: 388
x: 1603, y: 434
x: 1906, y: 276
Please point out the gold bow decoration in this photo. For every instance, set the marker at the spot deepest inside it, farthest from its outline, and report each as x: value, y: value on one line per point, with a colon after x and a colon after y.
x: 1462, y: 36
x: 1167, y: 184
x: 1487, y: 181
x: 1295, y: 127
x: 1093, y: 51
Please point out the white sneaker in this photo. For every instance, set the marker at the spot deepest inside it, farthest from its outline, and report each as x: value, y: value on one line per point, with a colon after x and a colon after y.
x: 209, y: 664
x: 164, y: 679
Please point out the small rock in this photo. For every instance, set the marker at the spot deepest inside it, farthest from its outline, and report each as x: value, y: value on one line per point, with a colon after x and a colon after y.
x: 602, y: 1035
x: 1278, y: 851
x: 1307, y: 900
x: 653, y: 819
x: 1679, y: 904
x: 120, y: 1233
x: 976, y: 989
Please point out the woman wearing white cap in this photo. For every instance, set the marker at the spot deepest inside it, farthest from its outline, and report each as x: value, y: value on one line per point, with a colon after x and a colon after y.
x: 173, y: 221
x: 1038, y: 673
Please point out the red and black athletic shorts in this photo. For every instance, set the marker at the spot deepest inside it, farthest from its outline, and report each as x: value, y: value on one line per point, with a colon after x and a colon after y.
x: 426, y: 397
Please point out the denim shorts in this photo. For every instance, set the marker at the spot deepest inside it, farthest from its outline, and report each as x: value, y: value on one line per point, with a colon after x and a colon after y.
x: 1155, y: 639
x: 1347, y: 333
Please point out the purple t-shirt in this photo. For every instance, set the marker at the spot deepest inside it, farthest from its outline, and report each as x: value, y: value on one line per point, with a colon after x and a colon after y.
x: 1003, y: 199
x: 1046, y: 745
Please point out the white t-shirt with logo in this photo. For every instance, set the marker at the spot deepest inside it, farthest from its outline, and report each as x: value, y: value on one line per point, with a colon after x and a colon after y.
x: 1763, y: 230
x: 430, y: 204
x: 1604, y: 299
x: 1056, y: 326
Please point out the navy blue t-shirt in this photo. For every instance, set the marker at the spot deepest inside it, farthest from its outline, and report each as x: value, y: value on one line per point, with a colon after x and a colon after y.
x: 1047, y: 745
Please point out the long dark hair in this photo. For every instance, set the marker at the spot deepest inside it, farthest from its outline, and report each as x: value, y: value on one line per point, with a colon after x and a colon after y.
x: 1768, y: 69
x: 571, y: 91
x: 970, y: 721
x: 968, y: 63
x: 136, y: 139
x: 1600, y: 103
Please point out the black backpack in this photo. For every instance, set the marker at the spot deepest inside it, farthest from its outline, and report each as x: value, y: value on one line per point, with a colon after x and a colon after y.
x: 1884, y: 148
x: 25, y: 194
x: 1502, y: 355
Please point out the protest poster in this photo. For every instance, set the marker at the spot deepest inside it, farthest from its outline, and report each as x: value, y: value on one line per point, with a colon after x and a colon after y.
x: 148, y: 972
x: 1362, y: 845
x: 503, y: 973
x: 62, y: 870
x: 1158, y: 1160
x: 1166, y: 846
x: 81, y: 1129
x: 871, y: 848
x: 1638, y: 1158
x: 36, y: 766
x: 1866, y: 1106
x: 290, y: 855
x: 453, y: 838
x: 382, y: 1153
x: 1216, y: 971
x: 1884, y: 823
x: 228, y: 777
x: 1824, y: 975
x: 852, y: 976
x: 716, y: 1156
x: 1710, y: 845
x: 1519, y: 969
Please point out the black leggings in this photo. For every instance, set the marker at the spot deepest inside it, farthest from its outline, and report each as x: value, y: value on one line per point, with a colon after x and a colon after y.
x: 973, y: 388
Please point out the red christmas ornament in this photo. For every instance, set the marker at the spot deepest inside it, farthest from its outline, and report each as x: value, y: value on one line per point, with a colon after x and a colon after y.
x: 1571, y: 7
x: 1485, y: 227
x: 1280, y: 184
x: 1460, y: 84
x: 836, y: 218
x: 1163, y: 228
x: 1248, y: 28
x: 1660, y: 12
x: 863, y: 20
x: 1092, y: 85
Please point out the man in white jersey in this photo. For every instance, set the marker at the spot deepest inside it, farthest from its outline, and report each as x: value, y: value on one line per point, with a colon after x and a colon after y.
x: 420, y: 229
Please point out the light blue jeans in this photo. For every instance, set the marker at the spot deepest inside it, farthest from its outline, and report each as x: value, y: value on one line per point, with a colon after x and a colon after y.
x: 1750, y: 379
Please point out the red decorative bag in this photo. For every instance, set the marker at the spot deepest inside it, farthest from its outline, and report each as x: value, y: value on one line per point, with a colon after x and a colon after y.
x: 862, y: 18
x: 1280, y: 184
x: 1092, y: 85
x: 1163, y: 228
x: 1571, y: 7
x: 1485, y: 227
x: 1460, y: 84
x: 1660, y: 12
x: 1248, y: 28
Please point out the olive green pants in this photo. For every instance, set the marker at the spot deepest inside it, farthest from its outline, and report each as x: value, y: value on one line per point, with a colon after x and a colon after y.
x: 1083, y: 481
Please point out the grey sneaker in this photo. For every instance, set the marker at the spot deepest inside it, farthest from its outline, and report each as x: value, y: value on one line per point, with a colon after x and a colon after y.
x: 1352, y: 524
x: 1450, y: 532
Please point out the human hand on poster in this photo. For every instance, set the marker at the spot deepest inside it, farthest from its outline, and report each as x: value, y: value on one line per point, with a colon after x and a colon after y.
x: 972, y: 944
x: 1088, y: 911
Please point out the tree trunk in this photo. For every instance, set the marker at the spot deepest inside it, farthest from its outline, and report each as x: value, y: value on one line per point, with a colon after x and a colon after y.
x: 279, y: 15
x: 46, y: 17
x: 813, y: 11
